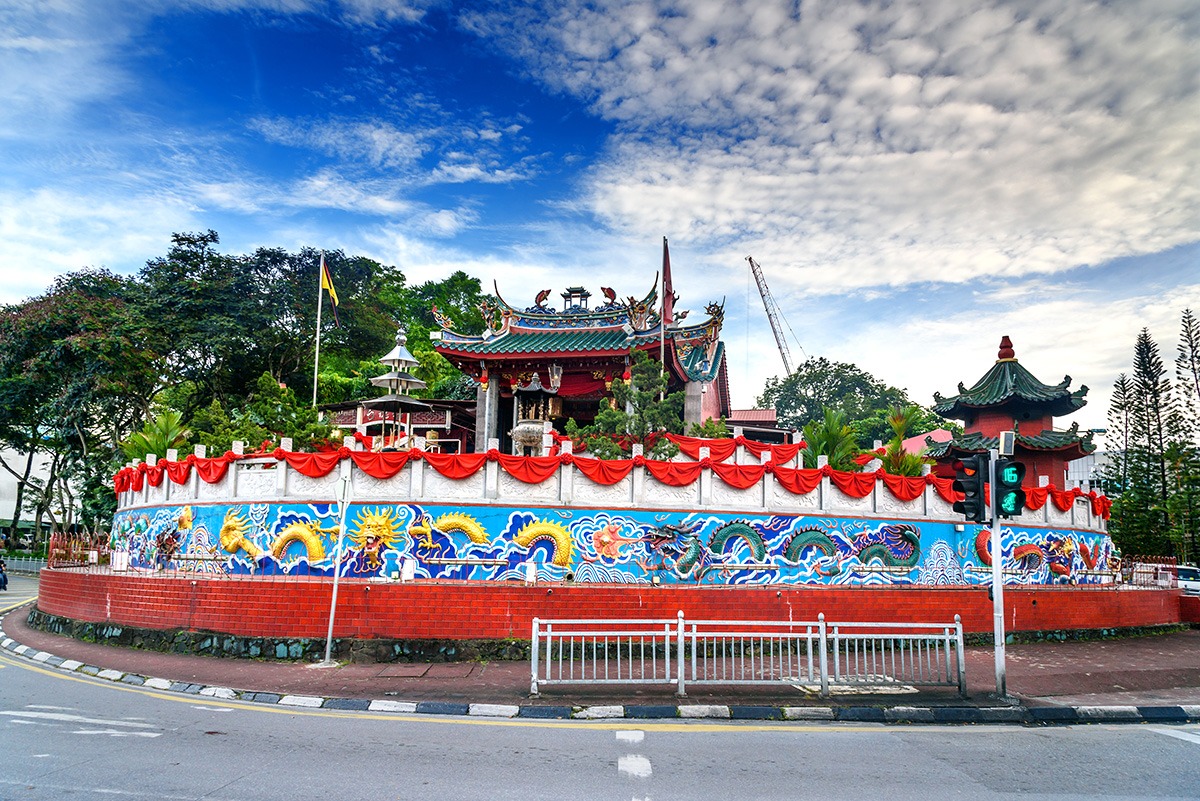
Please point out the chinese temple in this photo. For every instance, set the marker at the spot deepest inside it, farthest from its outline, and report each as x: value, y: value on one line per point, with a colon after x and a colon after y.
x: 1009, y: 398
x: 541, y: 364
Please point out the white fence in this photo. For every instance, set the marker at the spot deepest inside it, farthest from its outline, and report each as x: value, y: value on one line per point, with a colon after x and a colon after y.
x: 741, y: 652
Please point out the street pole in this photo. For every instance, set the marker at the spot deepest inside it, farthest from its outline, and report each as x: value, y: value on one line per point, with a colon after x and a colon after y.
x: 997, y: 578
x: 343, y: 508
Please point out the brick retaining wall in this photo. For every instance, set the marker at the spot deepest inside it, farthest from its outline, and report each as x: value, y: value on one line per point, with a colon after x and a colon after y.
x: 298, y: 608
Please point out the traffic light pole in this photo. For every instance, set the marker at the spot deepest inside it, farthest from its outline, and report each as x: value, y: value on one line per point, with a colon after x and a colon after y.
x: 997, y: 579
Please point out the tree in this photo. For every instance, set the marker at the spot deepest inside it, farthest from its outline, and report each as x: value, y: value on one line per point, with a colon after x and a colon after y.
x: 896, y: 460
x: 1155, y: 467
x: 819, y: 384
x: 832, y: 437
x: 157, y: 436
x: 270, y: 413
x: 634, y: 414
x: 76, y: 376
x: 1187, y: 374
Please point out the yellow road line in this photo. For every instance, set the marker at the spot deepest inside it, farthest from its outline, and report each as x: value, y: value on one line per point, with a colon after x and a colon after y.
x: 797, y: 727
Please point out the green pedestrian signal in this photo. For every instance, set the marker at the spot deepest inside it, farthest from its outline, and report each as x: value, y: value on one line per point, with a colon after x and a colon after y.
x: 970, y: 476
x: 1010, y: 498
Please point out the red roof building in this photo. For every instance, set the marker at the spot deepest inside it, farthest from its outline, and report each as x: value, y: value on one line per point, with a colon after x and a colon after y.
x: 541, y: 363
x: 1010, y: 398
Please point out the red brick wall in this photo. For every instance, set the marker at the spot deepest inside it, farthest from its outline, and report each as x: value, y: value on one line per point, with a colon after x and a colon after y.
x: 299, y: 608
x: 1189, y: 609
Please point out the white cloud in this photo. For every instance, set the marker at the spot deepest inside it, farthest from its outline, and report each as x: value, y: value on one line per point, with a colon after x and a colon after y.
x: 379, y: 145
x: 892, y: 142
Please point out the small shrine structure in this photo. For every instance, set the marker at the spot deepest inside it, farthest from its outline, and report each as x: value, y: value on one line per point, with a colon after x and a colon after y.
x: 1009, y: 398
x: 538, y: 364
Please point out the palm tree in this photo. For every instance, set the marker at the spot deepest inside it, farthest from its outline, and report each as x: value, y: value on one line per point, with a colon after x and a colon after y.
x: 833, y: 437
x: 896, y: 460
x: 163, y: 432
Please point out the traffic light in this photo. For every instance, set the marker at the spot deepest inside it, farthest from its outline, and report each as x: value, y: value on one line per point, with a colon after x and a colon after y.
x: 1010, y: 498
x: 970, y: 476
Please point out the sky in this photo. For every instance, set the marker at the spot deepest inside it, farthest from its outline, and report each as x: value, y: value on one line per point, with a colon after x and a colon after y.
x: 917, y: 178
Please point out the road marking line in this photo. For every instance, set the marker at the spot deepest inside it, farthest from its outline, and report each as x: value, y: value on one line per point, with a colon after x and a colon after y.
x: 593, y: 725
x: 1177, y: 734
x: 73, y: 718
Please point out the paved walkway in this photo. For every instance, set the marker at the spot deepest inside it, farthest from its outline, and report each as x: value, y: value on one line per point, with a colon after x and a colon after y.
x: 1123, y: 679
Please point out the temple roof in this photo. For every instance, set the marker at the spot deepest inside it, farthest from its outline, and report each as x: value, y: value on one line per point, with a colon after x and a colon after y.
x: 1007, y: 382
x: 974, y: 442
x: 576, y: 330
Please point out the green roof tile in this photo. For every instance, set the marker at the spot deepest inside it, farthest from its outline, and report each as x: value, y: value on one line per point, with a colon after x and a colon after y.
x: 975, y: 442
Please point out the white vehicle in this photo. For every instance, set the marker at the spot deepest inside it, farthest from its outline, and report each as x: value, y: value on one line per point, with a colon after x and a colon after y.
x: 1189, y: 579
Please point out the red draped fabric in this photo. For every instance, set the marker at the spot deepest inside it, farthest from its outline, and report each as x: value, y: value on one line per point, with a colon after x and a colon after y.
x: 718, y: 449
x: 121, y: 480
x: 380, y: 465
x: 856, y: 485
x: 944, y: 488
x: 1035, y: 497
x: 576, y: 385
x: 1101, y: 505
x: 905, y: 488
x: 456, y: 465
x: 797, y: 482
x: 154, y: 473
x: 740, y: 476
x: 675, y: 474
x: 721, y: 449
x: 782, y: 454
x: 1063, y: 499
x: 136, y: 480
x: 313, y: 465
x: 529, y: 469
x: 603, y: 471
x: 212, y: 470
x: 179, y: 472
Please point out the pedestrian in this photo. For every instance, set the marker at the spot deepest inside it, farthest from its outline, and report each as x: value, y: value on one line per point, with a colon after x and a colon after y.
x: 3, y: 574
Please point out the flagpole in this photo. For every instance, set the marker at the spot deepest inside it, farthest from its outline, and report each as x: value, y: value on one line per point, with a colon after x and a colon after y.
x: 662, y: 325
x: 317, y: 353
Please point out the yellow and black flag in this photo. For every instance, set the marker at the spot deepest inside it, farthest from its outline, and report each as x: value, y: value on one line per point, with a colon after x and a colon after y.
x: 327, y: 284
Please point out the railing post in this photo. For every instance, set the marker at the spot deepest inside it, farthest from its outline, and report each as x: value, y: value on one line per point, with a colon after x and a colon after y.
x: 824, y: 656
x: 681, y: 691
x: 533, y: 658
x: 958, y: 649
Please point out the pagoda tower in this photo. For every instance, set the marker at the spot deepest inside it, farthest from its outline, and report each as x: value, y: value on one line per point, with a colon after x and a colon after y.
x: 1010, y: 398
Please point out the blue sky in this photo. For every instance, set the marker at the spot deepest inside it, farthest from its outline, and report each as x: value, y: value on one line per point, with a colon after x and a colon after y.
x: 916, y: 178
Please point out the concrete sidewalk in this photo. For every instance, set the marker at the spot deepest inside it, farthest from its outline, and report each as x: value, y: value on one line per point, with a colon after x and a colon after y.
x: 1135, y: 679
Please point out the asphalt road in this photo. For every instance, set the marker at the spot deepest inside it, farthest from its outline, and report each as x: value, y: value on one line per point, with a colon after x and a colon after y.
x: 68, y: 736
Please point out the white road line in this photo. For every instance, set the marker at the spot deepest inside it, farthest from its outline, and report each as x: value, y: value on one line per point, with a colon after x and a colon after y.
x: 1178, y: 734
x: 73, y: 718
x: 634, y: 766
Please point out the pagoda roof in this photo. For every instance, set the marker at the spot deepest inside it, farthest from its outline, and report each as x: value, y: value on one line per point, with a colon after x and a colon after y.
x: 610, y: 329
x: 1048, y: 440
x: 1007, y: 382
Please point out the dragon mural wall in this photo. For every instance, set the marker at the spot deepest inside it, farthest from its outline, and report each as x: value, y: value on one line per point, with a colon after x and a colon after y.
x: 496, y: 543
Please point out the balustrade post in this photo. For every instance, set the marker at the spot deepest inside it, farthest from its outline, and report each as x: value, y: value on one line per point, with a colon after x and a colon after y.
x: 706, y: 479
x: 199, y: 451
x: 566, y: 475
x: 639, y: 478
x: 823, y: 491
x: 491, y: 472
x: 416, y: 478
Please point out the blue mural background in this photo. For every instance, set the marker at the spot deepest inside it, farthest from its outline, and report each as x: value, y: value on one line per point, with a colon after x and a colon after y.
x: 593, y: 545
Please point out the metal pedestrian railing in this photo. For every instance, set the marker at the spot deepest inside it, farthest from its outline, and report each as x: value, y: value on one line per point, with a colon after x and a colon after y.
x: 24, y: 564
x: 682, y: 652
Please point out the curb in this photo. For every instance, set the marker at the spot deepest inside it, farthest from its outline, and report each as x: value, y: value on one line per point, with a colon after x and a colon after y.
x: 898, y: 715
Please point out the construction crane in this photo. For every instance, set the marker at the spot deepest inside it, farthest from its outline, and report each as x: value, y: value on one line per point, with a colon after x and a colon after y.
x: 774, y: 315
